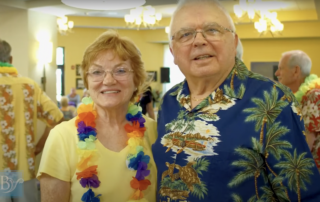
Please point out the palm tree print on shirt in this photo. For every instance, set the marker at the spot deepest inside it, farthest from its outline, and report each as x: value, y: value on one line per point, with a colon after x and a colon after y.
x: 266, y: 112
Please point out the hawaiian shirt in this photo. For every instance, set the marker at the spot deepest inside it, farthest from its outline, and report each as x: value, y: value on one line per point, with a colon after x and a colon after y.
x: 311, y: 115
x: 244, y: 142
x: 22, y: 102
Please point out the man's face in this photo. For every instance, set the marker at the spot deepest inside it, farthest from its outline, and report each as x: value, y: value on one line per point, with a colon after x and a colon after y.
x: 203, y: 58
x: 284, y: 73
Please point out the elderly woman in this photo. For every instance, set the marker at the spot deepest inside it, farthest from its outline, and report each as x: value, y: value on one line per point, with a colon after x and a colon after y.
x: 67, y: 110
x: 104, y: 154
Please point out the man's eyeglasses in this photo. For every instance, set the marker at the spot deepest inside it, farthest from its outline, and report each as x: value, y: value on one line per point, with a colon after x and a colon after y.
x: 211, y: 32
x: 119, y: 73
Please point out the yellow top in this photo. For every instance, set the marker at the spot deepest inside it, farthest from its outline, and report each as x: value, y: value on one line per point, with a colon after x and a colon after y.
x: 22, y: 102
x: 59, y: 160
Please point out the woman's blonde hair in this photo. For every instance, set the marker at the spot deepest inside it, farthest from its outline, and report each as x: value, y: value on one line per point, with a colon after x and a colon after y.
x: 64, y: 101
x: 122, y: 47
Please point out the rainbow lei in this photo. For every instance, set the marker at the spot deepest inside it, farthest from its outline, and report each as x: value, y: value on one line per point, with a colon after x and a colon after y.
x: 7, y: 68
x: 312, y: 81
x: 136, y: 160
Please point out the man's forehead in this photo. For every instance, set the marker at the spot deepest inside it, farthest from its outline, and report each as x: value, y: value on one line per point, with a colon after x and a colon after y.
x: 191, y: 14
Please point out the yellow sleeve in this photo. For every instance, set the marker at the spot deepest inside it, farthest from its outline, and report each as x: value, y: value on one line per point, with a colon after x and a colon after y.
x: 59, y: 154
x: 151, y: 126
x: 47, y: 110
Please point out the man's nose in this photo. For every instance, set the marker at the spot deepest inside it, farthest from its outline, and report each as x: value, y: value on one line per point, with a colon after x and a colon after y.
x: 199, y: 38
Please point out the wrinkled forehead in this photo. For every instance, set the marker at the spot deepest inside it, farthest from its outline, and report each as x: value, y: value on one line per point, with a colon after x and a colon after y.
x: 196, y: 15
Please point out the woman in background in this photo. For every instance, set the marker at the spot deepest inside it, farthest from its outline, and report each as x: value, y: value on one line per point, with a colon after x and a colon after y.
x: 68, y: 111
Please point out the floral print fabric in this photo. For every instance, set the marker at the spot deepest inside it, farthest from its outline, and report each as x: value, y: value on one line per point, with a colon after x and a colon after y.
x: 311, y: 115
x: 22, y: 102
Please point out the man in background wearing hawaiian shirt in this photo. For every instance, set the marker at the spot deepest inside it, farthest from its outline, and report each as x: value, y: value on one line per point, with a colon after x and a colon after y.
x: 22, y: 103
x: 294, y: 72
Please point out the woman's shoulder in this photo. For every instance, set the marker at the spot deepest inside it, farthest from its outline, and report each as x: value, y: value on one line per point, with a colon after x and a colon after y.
x: 151, y: 126
x: 66, y: 129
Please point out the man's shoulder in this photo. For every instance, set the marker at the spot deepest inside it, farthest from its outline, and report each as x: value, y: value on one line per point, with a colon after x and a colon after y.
x: 21, y: 79
x: 174, y: 90
x: 262, y: 83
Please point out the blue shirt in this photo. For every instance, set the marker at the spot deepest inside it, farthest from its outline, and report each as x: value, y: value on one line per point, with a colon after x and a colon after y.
x: 244, y: 142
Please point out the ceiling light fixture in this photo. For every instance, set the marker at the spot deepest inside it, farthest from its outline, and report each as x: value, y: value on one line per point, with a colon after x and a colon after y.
x: 64, y: 26
x: 145, y: 16
x: 267, y: 22
x: 104, y: 4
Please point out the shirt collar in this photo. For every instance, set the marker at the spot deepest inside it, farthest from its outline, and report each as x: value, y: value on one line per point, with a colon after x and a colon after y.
x: 234, y: 86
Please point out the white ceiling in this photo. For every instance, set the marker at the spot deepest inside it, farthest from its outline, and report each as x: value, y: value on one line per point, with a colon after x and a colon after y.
x: 166, y: 7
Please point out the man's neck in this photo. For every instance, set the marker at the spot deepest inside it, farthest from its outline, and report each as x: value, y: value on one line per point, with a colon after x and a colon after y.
x: 295, y: 86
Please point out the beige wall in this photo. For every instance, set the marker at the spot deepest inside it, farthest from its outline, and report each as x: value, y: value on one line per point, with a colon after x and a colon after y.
x: 303, y: 35
x: 75, y: 44
x: 14, y: 30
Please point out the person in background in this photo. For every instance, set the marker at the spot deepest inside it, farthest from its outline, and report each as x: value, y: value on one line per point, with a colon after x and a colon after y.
x: 226, y: 133
x: 22, y: 104
x: 68, y: 111
x: 74, y: 97
x: 104, y: 154
x: 146, y: 103
x: 85, y: 93
x: 294, y: 72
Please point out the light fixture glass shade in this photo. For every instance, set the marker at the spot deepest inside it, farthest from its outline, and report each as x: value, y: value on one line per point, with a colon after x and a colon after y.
x: 143, y: 15
x: 104, y: 4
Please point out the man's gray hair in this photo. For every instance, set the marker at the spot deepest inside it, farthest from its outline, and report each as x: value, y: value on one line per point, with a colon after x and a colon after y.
x: 239, y: 50
x: 182, y: 3
x: 5, y: 51
x: 301, y: 59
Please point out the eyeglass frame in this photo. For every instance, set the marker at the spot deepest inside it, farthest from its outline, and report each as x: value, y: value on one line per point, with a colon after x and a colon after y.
x: 195, y: 32
x: 108, y: 71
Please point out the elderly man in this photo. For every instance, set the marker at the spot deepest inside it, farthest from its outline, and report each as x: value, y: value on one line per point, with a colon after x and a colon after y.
x: 22, y: 102
x: 225, y: 133
x: 294, y: 72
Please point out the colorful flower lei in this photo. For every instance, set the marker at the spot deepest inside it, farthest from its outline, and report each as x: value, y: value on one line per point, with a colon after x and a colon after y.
x: 7, y: 68
x: 136, y: 159
x: 312, y: 81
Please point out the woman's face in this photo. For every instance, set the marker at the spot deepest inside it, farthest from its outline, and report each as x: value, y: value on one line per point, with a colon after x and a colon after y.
x: 110, y: 92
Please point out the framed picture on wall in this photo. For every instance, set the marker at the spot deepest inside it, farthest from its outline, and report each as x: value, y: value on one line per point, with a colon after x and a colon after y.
x: 78, y: 70
x: 79, y: 83
x: 152, y: 76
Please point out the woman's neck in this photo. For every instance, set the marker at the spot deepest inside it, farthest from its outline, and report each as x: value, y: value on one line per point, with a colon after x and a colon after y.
x: 112, y: 116
x: 65, y: 108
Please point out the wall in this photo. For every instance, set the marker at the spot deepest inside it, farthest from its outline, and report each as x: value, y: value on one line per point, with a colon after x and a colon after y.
x: 303, y: 34
x: 76, y: 42
x: 270, y: 50
x: 14, y: 30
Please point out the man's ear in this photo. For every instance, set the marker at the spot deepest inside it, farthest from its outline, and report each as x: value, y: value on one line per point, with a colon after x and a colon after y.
x: 174, y: 61
x: 10, y: 60
x: 236, y: 40
x: 297, y: 71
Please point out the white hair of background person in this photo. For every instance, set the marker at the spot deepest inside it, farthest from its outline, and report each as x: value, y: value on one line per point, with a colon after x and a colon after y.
x: 182, y: 3
x: 301, y: 59
x: 239, y: 50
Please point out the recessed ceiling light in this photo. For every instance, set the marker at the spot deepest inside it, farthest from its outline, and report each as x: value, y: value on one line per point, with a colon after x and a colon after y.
x: 104, y: 4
